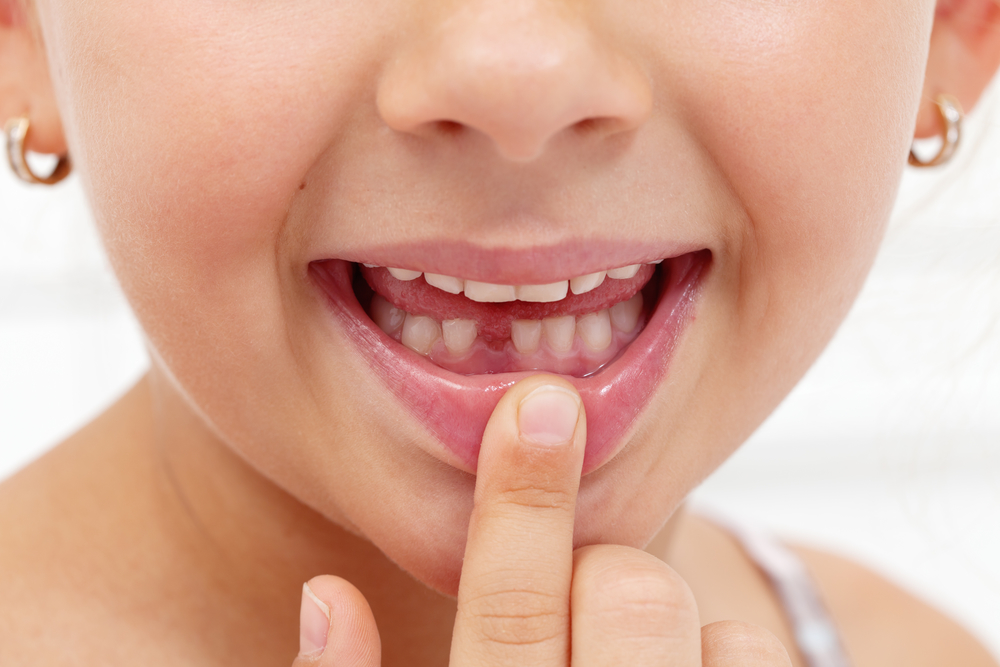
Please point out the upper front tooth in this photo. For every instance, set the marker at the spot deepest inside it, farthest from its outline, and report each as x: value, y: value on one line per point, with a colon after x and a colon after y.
x: 582, y: 284
x: 542, y: 293
x: 404, y: 274
x: 624, y: 273
x: 488, y: 292
x: 446, y: 283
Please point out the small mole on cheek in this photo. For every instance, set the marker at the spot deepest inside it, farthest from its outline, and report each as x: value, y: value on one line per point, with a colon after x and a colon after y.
x: 302, y: 186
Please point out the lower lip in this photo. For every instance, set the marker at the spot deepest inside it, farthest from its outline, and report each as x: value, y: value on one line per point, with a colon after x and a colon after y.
x: 456, y: 408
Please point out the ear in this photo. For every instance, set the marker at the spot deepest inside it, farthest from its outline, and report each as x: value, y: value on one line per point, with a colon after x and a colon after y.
x: 964, y: 55
x: 25, y: 85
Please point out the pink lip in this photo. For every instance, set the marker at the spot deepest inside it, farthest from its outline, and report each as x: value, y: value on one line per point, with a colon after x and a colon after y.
x: 456, y: 408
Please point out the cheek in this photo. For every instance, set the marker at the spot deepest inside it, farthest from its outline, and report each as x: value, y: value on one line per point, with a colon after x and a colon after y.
x: 805, y: 125
x: 193, y: 125
x: 808, y: 120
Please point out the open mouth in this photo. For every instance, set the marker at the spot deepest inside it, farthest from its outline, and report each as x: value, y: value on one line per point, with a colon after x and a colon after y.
x: 572, y: 327
x: 450, y: 346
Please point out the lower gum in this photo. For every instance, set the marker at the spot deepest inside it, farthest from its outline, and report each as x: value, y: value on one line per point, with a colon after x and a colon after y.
x: 482, y: 358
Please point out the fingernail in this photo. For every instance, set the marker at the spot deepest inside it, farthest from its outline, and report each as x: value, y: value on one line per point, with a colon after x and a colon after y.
x: 548, y: 415
x: 314, y: 623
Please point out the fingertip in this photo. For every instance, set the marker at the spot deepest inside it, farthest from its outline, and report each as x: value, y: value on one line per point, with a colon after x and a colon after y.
x: 314, y: 623
x: 542, y: 409
x: 549, y: 414
x: 535, y: 439
x: 337, y: 626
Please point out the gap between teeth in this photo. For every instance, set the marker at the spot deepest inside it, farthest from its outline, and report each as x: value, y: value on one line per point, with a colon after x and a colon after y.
x: 491, y: 293
x: 595, y: 330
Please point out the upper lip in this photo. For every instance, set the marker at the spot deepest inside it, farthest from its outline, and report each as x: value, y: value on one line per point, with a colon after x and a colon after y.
x: 539, y: 264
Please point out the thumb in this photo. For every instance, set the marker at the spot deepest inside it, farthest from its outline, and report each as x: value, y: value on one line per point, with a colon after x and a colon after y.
x: 336, y: 626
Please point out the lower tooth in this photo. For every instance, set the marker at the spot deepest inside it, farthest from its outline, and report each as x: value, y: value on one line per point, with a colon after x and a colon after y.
x: 625, y: 315
x: 388, y: 318
x: 420, y: 333
x: 594, y: 330
x: 559, y: 332
x: 526, y: 334
x: 459, y: 335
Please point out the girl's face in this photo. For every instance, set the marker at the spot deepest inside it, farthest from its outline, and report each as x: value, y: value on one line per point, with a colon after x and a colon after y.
x: 241, y: 157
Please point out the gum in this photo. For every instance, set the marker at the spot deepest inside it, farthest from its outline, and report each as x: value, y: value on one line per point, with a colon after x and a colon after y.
x: 494, y: 319
x: 488, y: 357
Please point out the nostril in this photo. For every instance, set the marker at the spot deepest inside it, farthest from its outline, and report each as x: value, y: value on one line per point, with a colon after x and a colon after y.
x: 592, y: 126
x: 449, y: 128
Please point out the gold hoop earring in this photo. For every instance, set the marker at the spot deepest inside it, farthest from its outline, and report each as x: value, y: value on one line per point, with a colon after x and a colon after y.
x: 951, y: 113
x: 16, y: 130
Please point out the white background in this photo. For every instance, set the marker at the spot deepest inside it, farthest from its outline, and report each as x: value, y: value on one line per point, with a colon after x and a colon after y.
x: 888, y: 451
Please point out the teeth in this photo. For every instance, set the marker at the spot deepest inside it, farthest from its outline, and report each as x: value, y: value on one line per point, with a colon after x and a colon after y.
x: 526, y: 334
x: 594, y: 330
x: 625, y: 315
x: 624, y: 273
x: 542, y: 293
x: 583, y: 284
x: 446, y: 283
x: 420, y: 333
x: 388, y: 318
x: 488, y: 292
x: 559, y: 332
x: 404, y: 274
x: 459, y: 335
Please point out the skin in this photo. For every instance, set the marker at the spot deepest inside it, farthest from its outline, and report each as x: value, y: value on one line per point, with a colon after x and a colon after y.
x: 212, y: 140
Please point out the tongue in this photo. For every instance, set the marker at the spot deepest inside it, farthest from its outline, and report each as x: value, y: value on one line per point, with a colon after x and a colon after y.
x: 494, y: 319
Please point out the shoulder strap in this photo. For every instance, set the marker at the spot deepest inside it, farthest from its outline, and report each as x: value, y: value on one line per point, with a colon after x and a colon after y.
x: 815, y: 632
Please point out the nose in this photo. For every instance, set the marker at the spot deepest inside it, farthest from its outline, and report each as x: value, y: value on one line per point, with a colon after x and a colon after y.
x: 520, y: 72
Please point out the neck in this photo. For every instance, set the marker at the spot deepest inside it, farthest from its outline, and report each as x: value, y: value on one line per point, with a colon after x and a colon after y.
x: 241, y: 546
x: 259, y: 544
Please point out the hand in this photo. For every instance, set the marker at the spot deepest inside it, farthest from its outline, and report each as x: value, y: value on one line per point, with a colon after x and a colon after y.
x: 523, y: 587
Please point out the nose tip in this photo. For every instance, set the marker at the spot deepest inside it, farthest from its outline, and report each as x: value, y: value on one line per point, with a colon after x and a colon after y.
x: 519, y: 77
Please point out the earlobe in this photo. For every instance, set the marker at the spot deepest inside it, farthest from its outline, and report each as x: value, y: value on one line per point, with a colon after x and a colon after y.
x: 25, y: 85
x: 11, y: 13
x: 964, y: 56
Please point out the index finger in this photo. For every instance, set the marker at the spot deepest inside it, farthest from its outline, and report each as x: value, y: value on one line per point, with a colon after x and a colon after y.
x: 513, y: 597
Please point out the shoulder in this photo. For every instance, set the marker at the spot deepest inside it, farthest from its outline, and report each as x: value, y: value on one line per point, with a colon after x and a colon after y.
x: 883, y: 625
x: 72, y: 539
